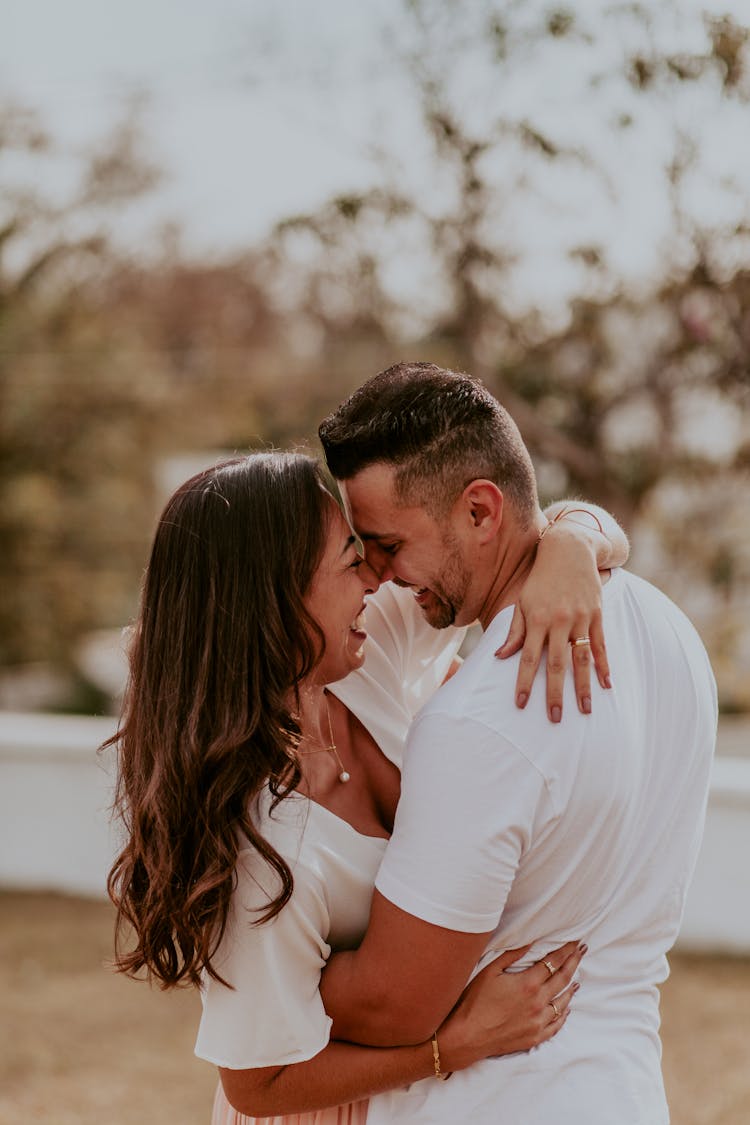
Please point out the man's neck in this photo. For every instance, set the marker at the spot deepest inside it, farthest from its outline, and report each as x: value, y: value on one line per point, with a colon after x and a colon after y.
x: 515, y: 558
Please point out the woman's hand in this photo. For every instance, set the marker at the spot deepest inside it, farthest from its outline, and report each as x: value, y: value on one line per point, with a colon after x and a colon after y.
x: 501, y: 1012
x: 561, y: 602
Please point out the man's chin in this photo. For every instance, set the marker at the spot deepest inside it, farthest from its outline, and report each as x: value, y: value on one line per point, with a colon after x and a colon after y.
x: 438, y: 615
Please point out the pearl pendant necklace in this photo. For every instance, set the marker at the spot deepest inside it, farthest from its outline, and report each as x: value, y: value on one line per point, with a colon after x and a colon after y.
x: 344, y: 776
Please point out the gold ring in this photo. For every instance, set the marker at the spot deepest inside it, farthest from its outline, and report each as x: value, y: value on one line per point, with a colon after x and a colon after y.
x: 555, y: 1009
x: 580, y: 641
x: 550, y: 968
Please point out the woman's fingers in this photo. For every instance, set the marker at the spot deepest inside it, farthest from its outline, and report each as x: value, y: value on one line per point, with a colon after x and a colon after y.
x: 509, y: 957
x: 558, y: 987
x: 559, y: 637
x: 516, y: 634
x: 531, y: 656
x: 557, y: 1011
x: 579, y: 643
x: 561, y: 650
x: 560, y: 967
x: 557, y: 669
x: 599, y: 651
x: 572, y: 637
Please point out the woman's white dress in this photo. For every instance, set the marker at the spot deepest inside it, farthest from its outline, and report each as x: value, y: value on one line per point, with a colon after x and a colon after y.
x: 274, y: 1014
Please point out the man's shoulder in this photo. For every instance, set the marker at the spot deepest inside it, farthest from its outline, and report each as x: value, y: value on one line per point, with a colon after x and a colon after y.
x: 482, y: 695
x: 655, y: 604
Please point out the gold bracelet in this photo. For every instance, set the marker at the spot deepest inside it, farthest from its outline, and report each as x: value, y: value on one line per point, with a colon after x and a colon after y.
x: 569, y: 512
x: 436, y: 1060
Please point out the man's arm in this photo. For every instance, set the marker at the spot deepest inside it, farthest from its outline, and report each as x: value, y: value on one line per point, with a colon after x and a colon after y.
x: 443, y: 881
x: 403, y: 980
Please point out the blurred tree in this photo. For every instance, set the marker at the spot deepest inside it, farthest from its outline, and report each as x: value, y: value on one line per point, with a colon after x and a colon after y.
x: 71, y: 413
x: 641, y: 385
x: 635, y: 397
x: 570, y: 386
x: 106, y: 368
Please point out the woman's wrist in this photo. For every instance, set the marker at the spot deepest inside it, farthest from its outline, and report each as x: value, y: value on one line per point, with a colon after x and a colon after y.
x: 568, y: 526
x: 457, y: 1043
x: 605, y: 535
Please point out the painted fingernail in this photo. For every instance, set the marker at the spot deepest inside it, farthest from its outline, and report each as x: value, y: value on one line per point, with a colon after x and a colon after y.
x: 556, y: 714
x: 583, y: 948
x: 522, y: 699
x: 499, y: 651
x: 586, y: 704
x: 608, y: 681
x: 575, y: 987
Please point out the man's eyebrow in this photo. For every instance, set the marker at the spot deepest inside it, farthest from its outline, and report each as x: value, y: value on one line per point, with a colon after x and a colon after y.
x: 365, y: 536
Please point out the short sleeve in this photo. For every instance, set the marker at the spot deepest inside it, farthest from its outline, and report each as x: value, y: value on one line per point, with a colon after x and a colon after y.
x: 470, y: 802
x: 273, y: 1015
x: 420, y: 654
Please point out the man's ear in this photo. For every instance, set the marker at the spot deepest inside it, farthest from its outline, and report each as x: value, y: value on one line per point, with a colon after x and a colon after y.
x: 482, y: 502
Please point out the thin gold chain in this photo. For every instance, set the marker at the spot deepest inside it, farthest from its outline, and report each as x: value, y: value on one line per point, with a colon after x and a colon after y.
x: 332, y: 749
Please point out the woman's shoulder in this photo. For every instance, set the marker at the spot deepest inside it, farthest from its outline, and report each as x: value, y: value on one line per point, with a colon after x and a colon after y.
x: 284, y: 823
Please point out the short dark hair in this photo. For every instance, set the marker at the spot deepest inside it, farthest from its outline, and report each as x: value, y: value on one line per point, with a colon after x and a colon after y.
x: 440, y: 429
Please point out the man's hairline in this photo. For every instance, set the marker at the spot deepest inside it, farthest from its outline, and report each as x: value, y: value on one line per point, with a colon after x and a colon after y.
x: 395, y: 499
x: 438, y: 513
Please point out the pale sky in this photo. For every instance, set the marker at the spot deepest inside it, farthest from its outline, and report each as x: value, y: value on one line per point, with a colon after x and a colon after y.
x: 237, y: 156
x: 262, y: 108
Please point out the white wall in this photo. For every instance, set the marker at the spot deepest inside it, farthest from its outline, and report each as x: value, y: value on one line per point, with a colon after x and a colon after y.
x: 55, y: 793
x: 717, y: 915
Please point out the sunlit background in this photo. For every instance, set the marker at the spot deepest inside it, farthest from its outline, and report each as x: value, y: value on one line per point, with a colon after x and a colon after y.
x: 218, y: 219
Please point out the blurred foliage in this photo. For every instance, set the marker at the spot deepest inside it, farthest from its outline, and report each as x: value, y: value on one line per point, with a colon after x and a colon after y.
x: 641, y: 399
x: 108, y: 366
x: 105, y: 368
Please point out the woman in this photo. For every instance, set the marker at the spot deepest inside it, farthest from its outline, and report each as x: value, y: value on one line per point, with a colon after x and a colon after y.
x: 258, y: 800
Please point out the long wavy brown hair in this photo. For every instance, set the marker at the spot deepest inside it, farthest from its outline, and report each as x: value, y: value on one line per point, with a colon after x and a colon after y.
x: 221, y: 645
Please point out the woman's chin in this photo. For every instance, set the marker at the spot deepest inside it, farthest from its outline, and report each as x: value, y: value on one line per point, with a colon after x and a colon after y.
x: 357, y: 652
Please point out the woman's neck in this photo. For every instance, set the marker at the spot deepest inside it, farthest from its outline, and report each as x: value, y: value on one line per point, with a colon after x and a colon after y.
x: 312, y: 715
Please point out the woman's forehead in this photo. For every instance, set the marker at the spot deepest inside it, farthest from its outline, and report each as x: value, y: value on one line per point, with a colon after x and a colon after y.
x: 338, y: 531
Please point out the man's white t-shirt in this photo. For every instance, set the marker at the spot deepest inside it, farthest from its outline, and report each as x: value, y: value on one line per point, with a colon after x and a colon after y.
x: 588, y: 829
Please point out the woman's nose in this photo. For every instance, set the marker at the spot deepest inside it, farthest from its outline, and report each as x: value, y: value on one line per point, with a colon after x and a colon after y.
x: 378, y: 562
x: 369, y: 577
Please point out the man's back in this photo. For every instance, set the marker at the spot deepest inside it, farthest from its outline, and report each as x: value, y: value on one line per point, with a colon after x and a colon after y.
x: 588, y: 829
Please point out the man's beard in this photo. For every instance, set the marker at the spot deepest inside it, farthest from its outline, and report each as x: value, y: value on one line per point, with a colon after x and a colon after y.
x: 448, y: 593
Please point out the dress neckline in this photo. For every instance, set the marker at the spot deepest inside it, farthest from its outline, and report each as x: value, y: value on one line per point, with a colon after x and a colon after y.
x: 340, y: 819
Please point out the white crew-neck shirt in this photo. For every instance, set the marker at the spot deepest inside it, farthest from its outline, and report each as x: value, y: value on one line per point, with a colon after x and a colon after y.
x: 587, y: 829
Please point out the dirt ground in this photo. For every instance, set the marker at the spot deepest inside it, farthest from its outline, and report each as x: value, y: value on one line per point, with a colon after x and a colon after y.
x: 82, y: 1045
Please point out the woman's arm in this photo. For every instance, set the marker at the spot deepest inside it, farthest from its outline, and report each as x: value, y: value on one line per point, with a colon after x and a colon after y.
x: 498, y: 1013
x: 340, y: 1073
x: 561, y: 602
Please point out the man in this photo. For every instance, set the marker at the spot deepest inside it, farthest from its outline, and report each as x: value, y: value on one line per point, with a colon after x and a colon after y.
x: 511, y: 829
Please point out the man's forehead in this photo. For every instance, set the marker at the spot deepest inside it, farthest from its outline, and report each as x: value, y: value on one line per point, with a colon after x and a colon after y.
x: 375, y: 513
x: 369, y: 495
x: 377, y: 479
